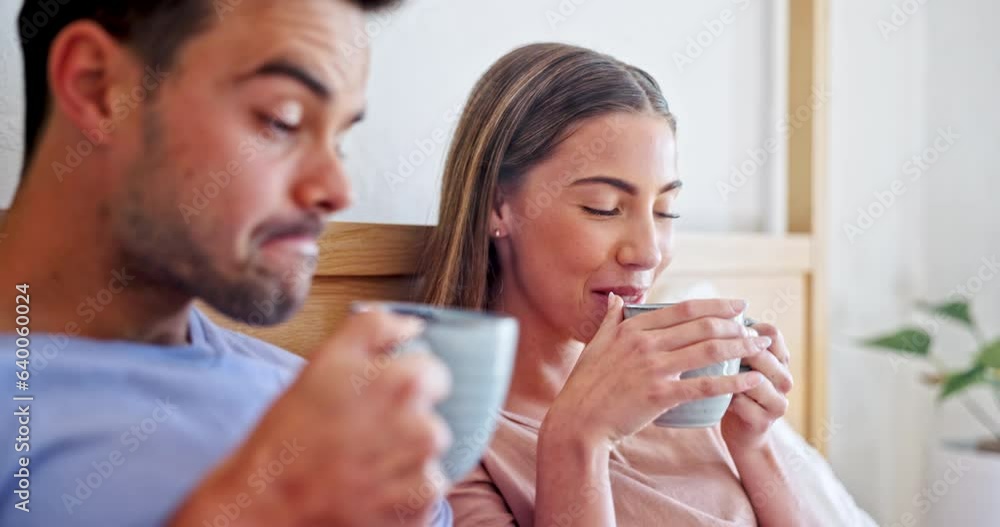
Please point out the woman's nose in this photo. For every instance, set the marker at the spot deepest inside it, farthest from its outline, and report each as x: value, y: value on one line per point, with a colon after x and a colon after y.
x: 641, y: 247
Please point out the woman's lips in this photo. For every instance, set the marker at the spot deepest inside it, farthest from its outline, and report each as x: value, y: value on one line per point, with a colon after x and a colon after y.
x: 630, y: 294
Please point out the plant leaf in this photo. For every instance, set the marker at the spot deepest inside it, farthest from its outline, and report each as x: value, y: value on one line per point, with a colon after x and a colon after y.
x: 989, y: 356
x: 914, y: 341
x: 954, y: 310
x: 962, y: 379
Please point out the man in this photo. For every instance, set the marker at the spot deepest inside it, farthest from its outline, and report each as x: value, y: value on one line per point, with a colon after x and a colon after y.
x: 182, y: 149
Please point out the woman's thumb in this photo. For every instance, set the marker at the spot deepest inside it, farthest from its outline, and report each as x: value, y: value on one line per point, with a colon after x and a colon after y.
x: 614, y: 314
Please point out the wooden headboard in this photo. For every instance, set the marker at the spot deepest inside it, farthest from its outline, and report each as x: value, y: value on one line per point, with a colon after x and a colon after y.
x: 377, y: 261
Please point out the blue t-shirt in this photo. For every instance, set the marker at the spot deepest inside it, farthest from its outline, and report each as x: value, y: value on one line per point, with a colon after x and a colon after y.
x: 120, y: 432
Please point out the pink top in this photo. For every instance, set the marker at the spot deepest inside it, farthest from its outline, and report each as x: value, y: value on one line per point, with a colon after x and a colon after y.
x: 660, y: 476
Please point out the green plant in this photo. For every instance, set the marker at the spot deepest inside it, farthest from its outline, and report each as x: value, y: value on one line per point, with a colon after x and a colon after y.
x: 984, y: 370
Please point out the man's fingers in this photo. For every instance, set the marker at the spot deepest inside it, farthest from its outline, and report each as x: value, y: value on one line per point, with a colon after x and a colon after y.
x: 418, y: 438
x: 429, y: 484
x: 687, y: 311
x: 377, y: 331
x: 418, y: 378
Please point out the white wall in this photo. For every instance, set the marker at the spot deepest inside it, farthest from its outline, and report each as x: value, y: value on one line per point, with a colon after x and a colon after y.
x: 11, y: 102
x: 892, y: 92
x: 428, y: 56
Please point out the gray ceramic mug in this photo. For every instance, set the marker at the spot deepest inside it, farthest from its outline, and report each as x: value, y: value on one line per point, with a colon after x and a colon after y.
x: 479, y: 349
x: 703, y: 412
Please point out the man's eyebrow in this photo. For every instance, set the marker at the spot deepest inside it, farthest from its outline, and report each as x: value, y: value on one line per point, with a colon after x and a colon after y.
x: 289, y: 69
x: 623, y: 185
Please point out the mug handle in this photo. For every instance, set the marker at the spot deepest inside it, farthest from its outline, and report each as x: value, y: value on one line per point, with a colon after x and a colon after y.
x: 747, y: 322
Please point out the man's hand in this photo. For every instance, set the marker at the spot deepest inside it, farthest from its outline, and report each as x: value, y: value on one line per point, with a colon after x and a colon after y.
x: 364, y: 432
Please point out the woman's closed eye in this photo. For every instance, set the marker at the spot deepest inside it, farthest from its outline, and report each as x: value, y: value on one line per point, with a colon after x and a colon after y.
x: 616, y: 211
x: 600, y: 212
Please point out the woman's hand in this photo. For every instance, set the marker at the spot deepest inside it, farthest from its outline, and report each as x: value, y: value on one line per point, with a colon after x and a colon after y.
x: 746, y: 424
x: 630, y: 371
x: 627, y: 375
x: 746, y: 431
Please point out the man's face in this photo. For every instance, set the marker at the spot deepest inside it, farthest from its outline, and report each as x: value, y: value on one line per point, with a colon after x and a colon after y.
x: 235, y: 164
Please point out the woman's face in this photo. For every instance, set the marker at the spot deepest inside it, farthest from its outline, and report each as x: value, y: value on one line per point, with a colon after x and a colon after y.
x: 596, y: 217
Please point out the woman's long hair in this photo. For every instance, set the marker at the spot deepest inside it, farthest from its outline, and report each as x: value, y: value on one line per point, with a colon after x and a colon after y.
x: 518, y: 113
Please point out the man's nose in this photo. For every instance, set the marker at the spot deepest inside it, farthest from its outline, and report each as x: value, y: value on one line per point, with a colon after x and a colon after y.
x: 324, y: 185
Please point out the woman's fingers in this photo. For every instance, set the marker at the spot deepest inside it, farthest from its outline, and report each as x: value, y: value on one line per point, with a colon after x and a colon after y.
x: 672, y: 392
x: 773, y: 403
x: 694, y: 331
x: 779, y: 349
x: 688, y: 311
x: 775, y: 371
x: 753, y: 415
x: 709, y: 352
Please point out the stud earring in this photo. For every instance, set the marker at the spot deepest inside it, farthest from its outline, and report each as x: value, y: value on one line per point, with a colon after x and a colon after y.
x: 496, y: 233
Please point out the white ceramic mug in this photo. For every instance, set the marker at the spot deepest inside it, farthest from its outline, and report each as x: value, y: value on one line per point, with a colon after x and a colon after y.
x: 478, y: 348
x: 703, y: 412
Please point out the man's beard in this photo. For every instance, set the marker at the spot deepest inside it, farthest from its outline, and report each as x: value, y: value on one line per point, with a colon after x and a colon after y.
x: 164, y: 250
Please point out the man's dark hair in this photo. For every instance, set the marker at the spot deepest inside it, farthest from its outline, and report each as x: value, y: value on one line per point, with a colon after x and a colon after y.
x: 154, y: 29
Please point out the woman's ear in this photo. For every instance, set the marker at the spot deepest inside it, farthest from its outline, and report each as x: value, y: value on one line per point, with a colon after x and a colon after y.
x: 500, y: 216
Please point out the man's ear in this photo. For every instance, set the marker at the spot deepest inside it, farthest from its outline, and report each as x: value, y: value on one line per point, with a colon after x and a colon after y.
x: 87, y: 70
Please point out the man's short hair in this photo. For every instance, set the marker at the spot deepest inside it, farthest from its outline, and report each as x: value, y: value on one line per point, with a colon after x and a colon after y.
x: 154, y: 29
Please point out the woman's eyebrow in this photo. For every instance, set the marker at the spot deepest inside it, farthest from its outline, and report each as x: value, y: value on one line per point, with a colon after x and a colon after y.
x: 623, y: 185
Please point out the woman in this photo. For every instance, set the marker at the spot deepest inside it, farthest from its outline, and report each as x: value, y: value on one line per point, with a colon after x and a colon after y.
x: 558, y: 207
